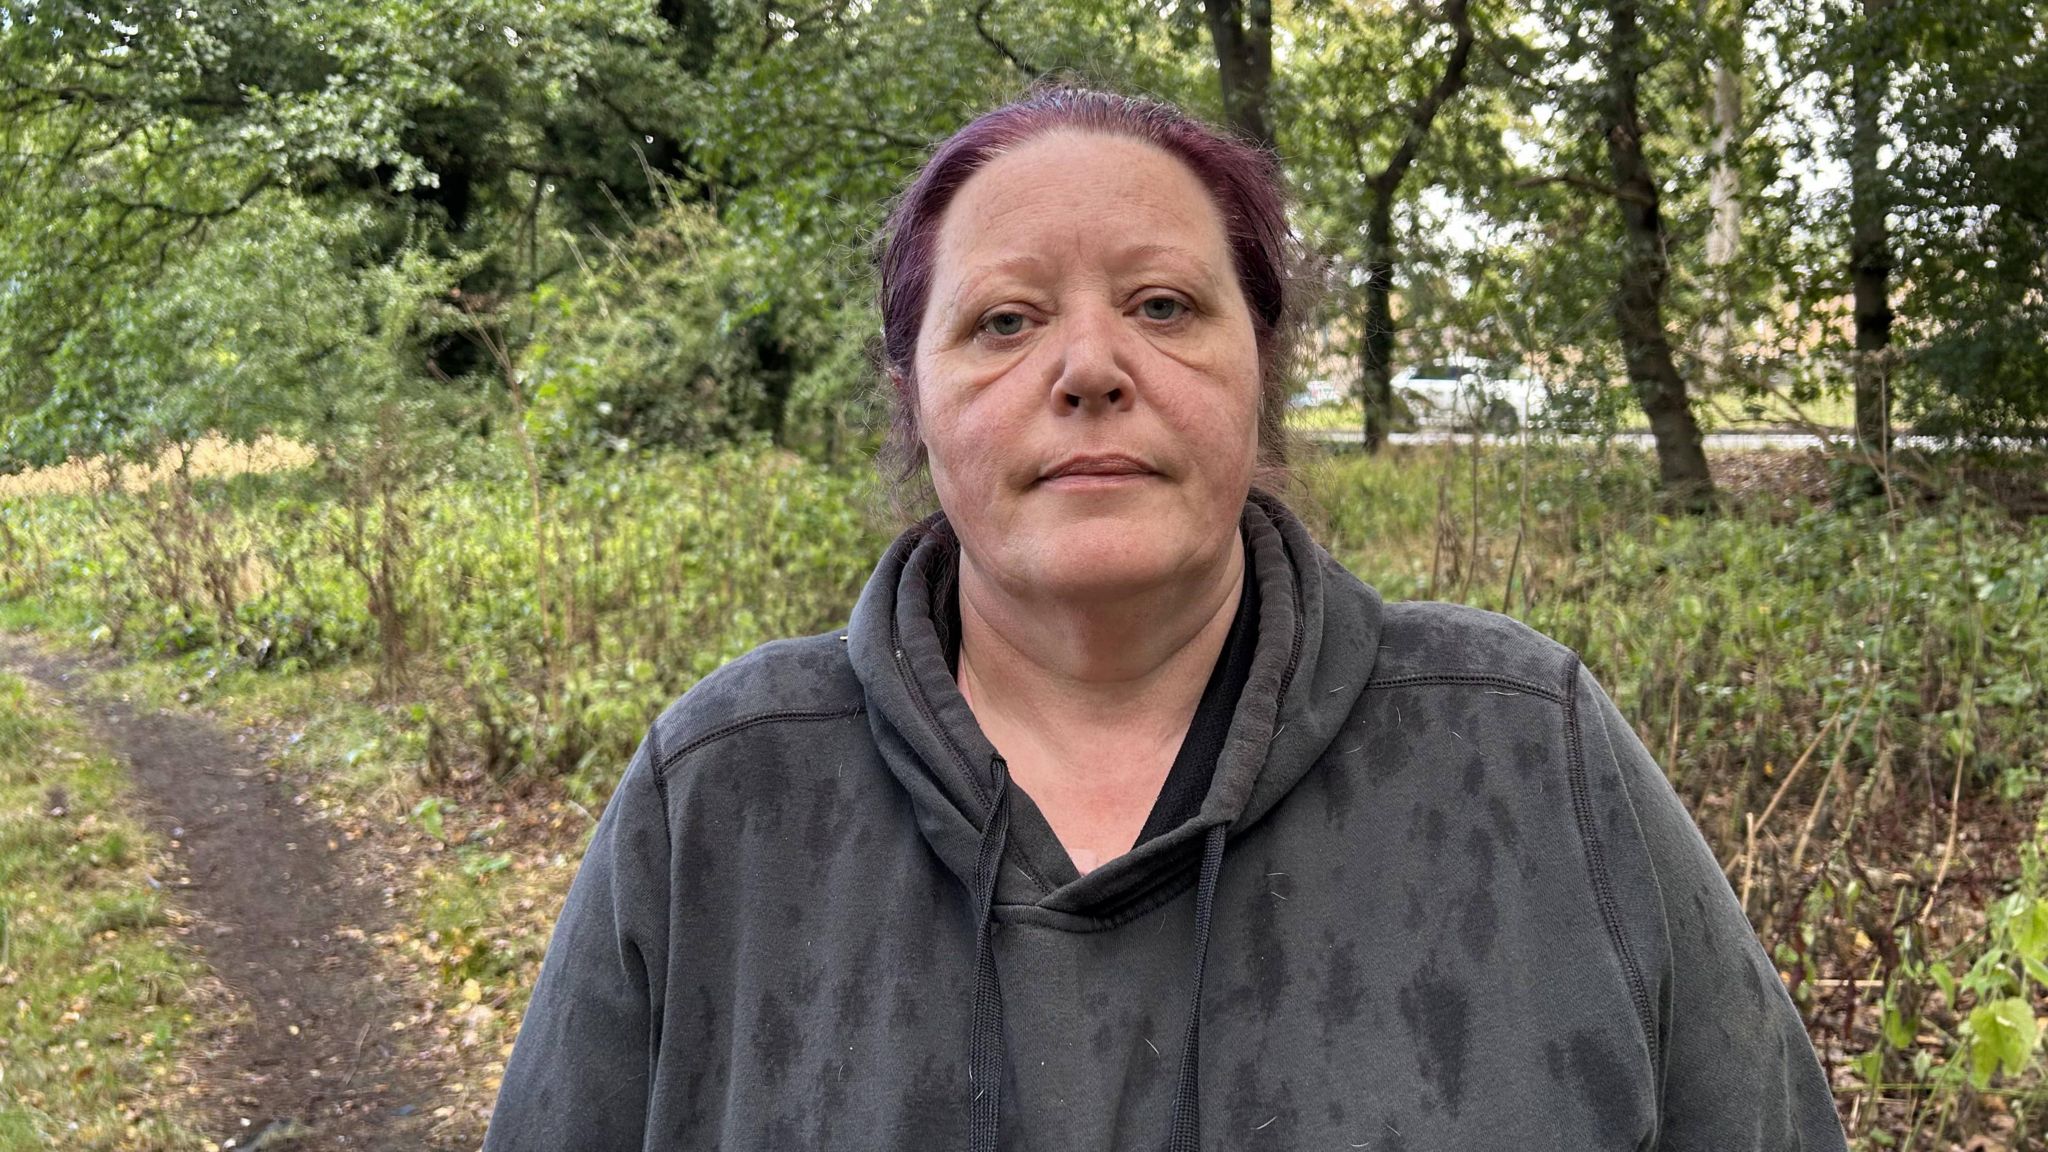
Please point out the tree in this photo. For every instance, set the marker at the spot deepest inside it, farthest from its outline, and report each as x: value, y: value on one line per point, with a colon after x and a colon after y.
x: 1242, y: 31
x: 1870, y: 201
x: 1970, y: 137
x: 1726, y: 26
x: 1639, y: 296
x: 1383, y: 187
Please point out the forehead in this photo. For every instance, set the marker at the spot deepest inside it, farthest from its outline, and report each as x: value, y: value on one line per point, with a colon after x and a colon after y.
x: 1079, y: 193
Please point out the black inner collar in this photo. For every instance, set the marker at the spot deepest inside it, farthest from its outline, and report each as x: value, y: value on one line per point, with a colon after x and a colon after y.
x: 1187, y: 782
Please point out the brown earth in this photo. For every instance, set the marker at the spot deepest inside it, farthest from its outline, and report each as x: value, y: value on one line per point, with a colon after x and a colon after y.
x: 285, y: 910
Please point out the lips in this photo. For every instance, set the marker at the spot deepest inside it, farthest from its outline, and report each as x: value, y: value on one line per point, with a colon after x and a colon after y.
x: 1097, y: 466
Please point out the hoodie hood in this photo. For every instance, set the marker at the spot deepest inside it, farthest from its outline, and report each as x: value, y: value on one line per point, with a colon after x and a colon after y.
x: 1318, y: 633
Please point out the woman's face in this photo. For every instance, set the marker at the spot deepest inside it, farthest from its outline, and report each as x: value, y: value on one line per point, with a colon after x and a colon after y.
x: 1087, y: 375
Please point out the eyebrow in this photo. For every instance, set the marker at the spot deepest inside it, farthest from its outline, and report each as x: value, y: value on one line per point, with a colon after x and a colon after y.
x: 1137, y: 253
x: 1022, y: 261
x: 1123, y: 257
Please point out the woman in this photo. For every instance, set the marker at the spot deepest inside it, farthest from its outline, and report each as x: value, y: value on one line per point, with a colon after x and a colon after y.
x: 1121, y: 814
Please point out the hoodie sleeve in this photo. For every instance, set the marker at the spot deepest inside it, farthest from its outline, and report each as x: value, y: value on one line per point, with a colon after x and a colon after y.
x: 580, y: 1071
x: 1738, y: 1072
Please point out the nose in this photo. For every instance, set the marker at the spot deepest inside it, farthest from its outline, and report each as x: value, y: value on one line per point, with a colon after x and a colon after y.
x: 1092, y: 375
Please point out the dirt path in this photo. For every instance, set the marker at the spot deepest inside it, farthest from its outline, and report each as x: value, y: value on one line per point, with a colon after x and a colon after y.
x: 283, y: 911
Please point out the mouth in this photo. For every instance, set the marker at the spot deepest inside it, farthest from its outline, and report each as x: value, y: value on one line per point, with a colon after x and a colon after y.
x: 1101, y: 468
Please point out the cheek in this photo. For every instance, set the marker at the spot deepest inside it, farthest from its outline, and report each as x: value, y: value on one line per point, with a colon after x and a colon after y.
x: 955, y: 450
x: 1233, y: 423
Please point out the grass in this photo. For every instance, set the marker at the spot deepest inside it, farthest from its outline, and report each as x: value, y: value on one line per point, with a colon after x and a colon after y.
x: 95, y: 981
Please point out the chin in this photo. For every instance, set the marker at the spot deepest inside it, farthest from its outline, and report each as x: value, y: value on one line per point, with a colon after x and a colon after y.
x: 1110, y: 558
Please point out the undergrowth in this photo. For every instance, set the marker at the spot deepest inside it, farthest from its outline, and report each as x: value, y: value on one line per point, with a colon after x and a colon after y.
x: 1847, y: 697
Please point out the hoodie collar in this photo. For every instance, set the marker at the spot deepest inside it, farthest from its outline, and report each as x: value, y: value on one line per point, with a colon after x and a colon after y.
x: 1318, y: 633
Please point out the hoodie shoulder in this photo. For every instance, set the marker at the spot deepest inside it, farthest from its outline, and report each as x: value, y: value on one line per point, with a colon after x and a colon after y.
x: 783, y: 681
x: 1425, y: 640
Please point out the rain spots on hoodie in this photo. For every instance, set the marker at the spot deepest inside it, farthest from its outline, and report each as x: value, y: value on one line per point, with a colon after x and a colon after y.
x: 931, y: 1116
x: 853, y: 995
x: 1340, y: 789
x: 783, y: 1132
x: 1475, y: 774
x: 1479, y: 917
x: 1267, y: 967
x: 776, y: 1039
x: 1150, y: 1060
x: 1479, y: 848
x: 1391, y: 744
x: 1600, y: 1077
x: 1458, y: 713
x: 1259, y: 1113
x: 759, y: 809
x: 1109, y: 1025
x: 1532, y: 756
x: 1343, y: 985
x: 906, y: 1012
x: 1434, y: 830
x: 1703, y: 918
x: 826, y: 819
x: 701, y: 857
x: 1437, y: 1009
x: 707, y: 1080
x: 1504, y: 826
x: 834, y: 1093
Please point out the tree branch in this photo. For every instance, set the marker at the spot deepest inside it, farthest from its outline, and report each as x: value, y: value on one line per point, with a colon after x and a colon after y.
x: 1002, y: 49
x: 1458, y: 16
x: 1582, y: 183
x: 196, y: 214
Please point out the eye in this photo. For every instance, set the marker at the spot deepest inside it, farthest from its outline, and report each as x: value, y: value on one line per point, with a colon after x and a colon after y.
x: 1163, y: 308
x: 1004, y: 324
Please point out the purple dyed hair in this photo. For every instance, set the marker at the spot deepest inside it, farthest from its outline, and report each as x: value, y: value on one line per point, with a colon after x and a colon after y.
x: 1243, y: 180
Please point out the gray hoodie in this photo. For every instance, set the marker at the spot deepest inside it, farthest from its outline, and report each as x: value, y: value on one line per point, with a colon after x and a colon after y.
x: 1437, y: 897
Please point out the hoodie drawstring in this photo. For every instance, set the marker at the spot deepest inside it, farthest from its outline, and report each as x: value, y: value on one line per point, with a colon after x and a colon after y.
x: 1184, y: 1119
x: 986, y: 1042
x: 985, y: 1051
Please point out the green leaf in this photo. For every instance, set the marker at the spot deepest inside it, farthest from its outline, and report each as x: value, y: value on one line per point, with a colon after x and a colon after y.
x: 2003, y: 1033
x: 428, y: 813
x: 1944, y: 980
x: 1899, y: 1028
x: 2038, y: 971
x: 2028, y: 930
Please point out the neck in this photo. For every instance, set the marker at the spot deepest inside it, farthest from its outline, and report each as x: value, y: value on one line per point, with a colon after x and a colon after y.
x: 1134, y: 664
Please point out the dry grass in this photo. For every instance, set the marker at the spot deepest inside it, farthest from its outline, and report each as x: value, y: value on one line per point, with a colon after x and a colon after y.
x: 213, y: 456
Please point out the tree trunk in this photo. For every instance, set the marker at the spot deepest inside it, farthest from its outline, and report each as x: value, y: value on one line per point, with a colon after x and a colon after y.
x: 1870, y: 261
x: 1724, y: 199
x: 1376, y: 351
x: 1243, y: 33
x: 1682, y: 475
x: 1376, y: 359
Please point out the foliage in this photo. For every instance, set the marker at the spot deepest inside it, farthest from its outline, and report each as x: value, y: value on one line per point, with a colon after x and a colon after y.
x: 657, y: 566
x: 1975, y: 230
